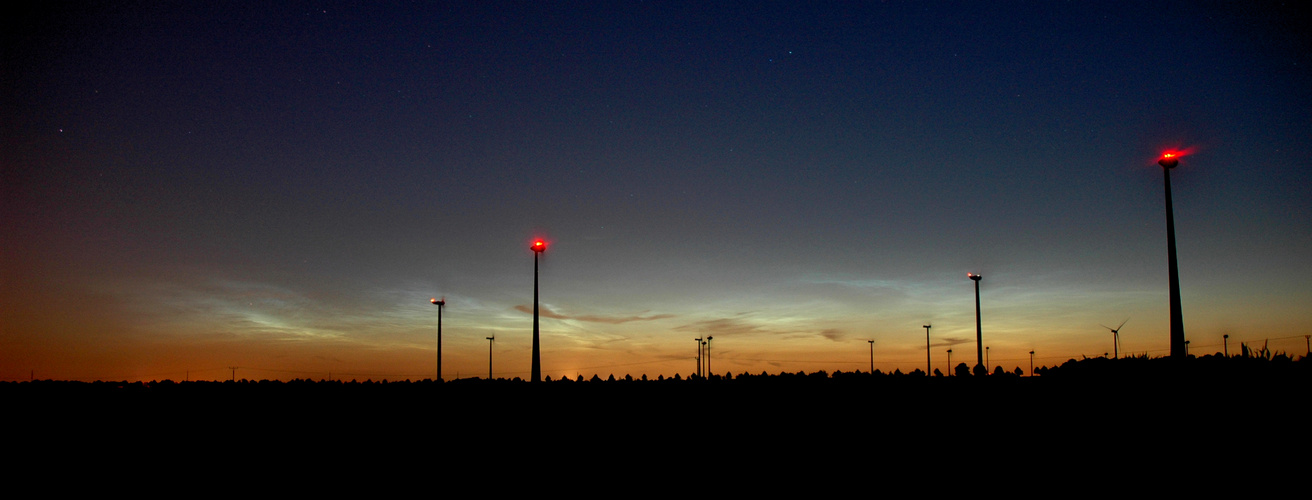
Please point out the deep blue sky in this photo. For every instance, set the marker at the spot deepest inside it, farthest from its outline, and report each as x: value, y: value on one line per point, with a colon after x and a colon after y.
x: 190, y: 186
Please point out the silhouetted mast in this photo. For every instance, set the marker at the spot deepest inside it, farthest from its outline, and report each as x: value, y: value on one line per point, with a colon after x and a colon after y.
x: 440, y: 304
x: 872, y: 356
x: 1178, y: 348
x: 538, y: 247
x: 979, y: 329
x: 929, y: 367
x: 700, y: 341
x: 708, y: 356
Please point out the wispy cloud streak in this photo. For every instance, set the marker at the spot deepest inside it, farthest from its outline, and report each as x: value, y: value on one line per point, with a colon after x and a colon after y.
x: 612, y: 320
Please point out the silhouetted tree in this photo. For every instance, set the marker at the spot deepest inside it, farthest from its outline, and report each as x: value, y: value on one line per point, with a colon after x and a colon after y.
x: 938, y: 373
x: 962, y: 370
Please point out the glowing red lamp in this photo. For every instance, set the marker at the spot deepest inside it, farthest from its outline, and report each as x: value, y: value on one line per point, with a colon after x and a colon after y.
x: 1169, y: 160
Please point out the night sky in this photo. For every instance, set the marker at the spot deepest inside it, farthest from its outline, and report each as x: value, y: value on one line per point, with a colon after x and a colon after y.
x: 281, y: 187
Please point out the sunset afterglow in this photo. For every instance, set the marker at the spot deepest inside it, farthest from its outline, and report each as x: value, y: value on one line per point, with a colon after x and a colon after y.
x: 205, y: 191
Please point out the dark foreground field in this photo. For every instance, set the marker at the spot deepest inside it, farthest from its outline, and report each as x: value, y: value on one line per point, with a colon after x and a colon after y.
x: 1246, y: 412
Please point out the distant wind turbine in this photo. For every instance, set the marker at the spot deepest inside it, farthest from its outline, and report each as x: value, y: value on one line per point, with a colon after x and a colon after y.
x: 440, y: 304
x: 490, y: 340
x: 1116, y: 338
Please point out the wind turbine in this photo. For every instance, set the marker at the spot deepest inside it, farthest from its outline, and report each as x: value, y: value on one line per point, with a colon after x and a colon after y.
x: 535, y: 375
x: 440, y: 304
x: 700, y: 343
x: 1116, y: 338
x: 928, y: 366
x: 708, y: 356
x: 490, y: 340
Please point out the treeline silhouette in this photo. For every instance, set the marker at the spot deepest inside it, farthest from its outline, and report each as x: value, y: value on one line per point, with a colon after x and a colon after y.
x: 1141, y: 382
x: 1251, y: 364
x: 911, y: 417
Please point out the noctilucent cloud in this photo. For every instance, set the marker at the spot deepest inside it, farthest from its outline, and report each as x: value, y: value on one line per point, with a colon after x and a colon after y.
x: 193, y: 191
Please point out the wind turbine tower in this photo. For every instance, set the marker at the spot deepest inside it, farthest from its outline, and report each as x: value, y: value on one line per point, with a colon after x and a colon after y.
x: 929, y: 367
x: 1116, y: 338
x: 440, y: 304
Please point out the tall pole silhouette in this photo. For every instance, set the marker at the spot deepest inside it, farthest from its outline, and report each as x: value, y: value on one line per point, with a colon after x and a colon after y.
x: 929, y: 367
x: 1226, y: 339
x: 949, y: 362
x: 1178, y: 349
x: 440, y: 304
x: 1031, y: 363
x: 701, y: 369
x: 708, y: 356
x: 490, y: 340
x: 699, y: 355
x: 872, y: 356
x: 979, y: 329
x: 538, y: 247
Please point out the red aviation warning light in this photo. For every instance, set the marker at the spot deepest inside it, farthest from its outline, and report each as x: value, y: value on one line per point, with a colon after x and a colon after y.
x: 539, y: 246
x: 1171, y: 157
x: 1169, y: 160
